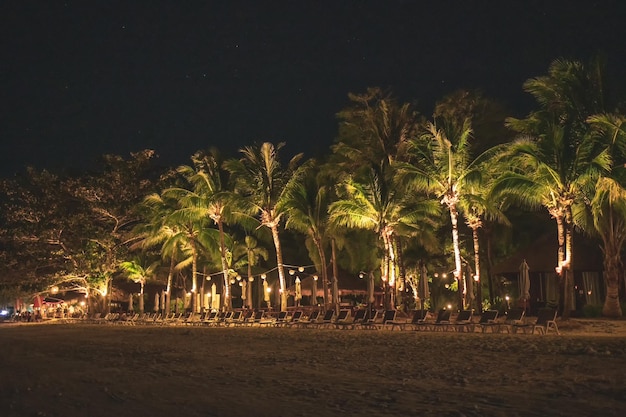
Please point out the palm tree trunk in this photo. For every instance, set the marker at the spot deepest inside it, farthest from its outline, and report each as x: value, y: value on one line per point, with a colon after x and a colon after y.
x: 479, y: 293
x: 194, y: 277
x: 561, y: 259
x: 612, y: 267
x: 323, y: 268
x: 141, y: 306
x: 335, y: 296
x: 454, y: 218
x: 168, y: 288
x: 280, y: 267
x: 226, y: 302
x: 568, y: 272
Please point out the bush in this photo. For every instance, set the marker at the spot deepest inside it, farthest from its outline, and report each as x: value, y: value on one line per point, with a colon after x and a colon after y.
x: 592, y: 310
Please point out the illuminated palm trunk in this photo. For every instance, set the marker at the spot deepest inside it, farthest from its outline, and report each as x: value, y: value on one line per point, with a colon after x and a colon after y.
x: 324, y: 272
x: 194, y: 278
x: 454, y: 218
x: 281, y: 269
x: 168, y: 288
x: 226, y: 302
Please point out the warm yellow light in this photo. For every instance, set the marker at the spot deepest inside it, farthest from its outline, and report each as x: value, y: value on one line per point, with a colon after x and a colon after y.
x: 232, y: 280
x: 476, y: 278
x: 506, y: 298
x: 82, y: 304
x: 291, y: 272
x: 301, y: 269
x: 263, y: 276
x: 449, y: 306
x: 238, y: 277
x: 269, y: 290
x: 315, y: 277
x: 361, y: 275
x: 251, y: 279
x: 436, y: 275
x: 54, y: 289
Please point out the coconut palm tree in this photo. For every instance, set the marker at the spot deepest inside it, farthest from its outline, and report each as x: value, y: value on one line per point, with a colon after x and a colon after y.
x: 559, y: 156
x: 140, y: 272
x: 307, y: 202
x: 261, y: 180
x: 604, y: 213
x: 253, y: 253
x: 208, y: 198
x: 442, y: 166
x: 377, y: 206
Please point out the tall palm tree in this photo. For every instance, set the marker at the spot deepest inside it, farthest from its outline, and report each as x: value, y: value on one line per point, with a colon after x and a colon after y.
x: 261, y: 180
x: 253, y: 255
x: 442, y: 166
x: 373, y: 205
x: 208, y: 198
x: 308, y: 202
x: 605, y: 211
x: 560, y: 156
x: 140, y: 272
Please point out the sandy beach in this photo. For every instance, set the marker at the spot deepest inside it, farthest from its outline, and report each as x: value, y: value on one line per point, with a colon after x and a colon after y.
x: 108, y: 370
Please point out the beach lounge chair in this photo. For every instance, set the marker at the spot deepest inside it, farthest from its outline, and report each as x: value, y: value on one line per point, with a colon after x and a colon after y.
x: 327, y: 319
x: 235, y: 319
x: 488, y: 320
x: 370, y: 320
x: 342, y: 318
x: 514, y: 320
x: 442, y: 320
x: 357, y: 319
x: 417, y: 322
x: 389, y: 316
x: 546, y: 320
x: 462, y: 322
x: 312, y: 319
x: 295, y: 318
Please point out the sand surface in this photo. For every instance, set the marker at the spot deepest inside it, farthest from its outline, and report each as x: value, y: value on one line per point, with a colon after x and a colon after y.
x: 110, y: 370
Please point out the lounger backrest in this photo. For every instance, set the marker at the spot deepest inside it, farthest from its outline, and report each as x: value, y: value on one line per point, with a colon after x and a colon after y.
x: 544, y: 315
x: 328, y: 316
x: 296, y: 315
x: 464, y: 315
x: 359, y: 315
x: 488, y: 316
x: 419, y: 316
x: 343, y: 314
x: 314, y: 315
x: 237, y: 315
x: 258, y: 315
x: 390, y: 315
x: 444, y: 315
x: 515, y: 314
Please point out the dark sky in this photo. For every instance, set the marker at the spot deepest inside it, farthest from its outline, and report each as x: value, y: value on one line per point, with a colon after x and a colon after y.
x: 82, y: 78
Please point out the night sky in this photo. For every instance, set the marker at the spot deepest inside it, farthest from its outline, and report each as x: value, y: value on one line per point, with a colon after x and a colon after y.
x: 82, y: 78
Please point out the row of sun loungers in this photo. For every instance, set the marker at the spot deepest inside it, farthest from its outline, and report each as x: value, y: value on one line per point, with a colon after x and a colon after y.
x: 364, y: 319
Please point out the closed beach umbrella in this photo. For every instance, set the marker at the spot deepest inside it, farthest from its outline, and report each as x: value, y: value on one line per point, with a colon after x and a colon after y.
x: 163, y: 302
x: 156, y: 301
x: 130, y: 302
x: 266, y: 293
x: 214, y: 304
x: 524, y: 281
x: 298, y: 290
x: 314, y: 292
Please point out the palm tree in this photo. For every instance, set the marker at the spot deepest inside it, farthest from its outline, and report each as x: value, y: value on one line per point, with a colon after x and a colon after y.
x: 253, y: 254
x: 259, y: 177
x: 209, y: 199
x: 560, y: 156
x: 139, y: 272
x: 308, y: 202
x: 442, y: 166
x: 376, y: 206
x: 605, y: 211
